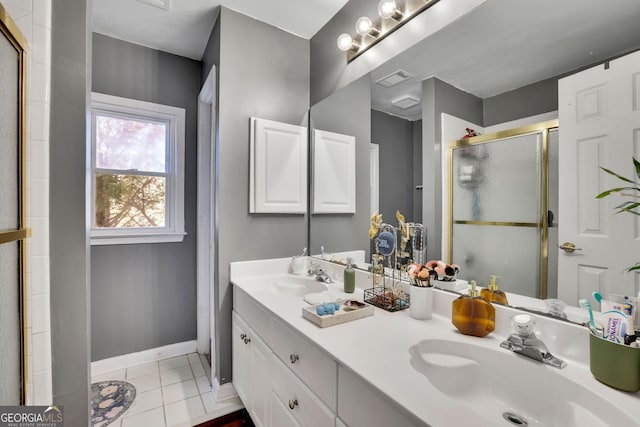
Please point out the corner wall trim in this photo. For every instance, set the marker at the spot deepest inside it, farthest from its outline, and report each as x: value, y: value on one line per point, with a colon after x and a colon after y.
x: 222, y: 391
x: 151, y: 355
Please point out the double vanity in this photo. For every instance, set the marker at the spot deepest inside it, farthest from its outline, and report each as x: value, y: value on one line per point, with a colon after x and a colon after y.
x: 392, y: 370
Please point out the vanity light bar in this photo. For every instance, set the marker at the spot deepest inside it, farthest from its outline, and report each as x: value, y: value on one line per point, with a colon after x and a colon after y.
x: 393, y: 15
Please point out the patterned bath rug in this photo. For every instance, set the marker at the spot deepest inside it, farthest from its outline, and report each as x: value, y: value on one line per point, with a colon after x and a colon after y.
x: 109, y: 400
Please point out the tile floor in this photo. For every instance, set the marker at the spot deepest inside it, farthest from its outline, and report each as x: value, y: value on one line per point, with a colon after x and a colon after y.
x: 170, y: 393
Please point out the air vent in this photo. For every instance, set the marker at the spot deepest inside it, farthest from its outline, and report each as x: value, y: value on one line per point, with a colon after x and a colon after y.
x: 405, y: 102
x: 394, y: 78
x: 160, y: 4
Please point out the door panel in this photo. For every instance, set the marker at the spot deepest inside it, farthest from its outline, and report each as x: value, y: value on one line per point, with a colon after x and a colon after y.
x: 599, y: 112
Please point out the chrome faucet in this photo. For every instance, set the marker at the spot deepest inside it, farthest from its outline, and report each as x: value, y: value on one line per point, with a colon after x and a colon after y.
x: 524, y: 341
x: 320, y: 274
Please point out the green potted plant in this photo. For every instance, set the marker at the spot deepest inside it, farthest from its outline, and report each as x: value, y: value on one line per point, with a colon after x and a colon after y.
x: 632, y: 191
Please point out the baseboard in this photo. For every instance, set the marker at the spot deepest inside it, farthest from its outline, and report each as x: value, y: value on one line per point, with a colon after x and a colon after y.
x: 146, y: 356
x: 222, y: 391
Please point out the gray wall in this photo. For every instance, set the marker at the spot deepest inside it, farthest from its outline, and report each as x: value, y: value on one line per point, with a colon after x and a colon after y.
x: 68, y: 225
x: 264, y: 72
x: 211, y: 54
x: 395, y: 138
x: 537, y: 98
x: 144, y: 295
x: 347, y: 111
x: 439, y: 97
x: 329, y: 67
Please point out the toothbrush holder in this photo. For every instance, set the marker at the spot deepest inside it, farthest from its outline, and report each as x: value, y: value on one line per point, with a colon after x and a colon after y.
x: 615, y: 365
x: 299, y: 265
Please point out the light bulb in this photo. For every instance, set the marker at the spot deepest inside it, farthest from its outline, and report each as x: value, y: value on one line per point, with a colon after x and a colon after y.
x: 345, y: 42
x: 388, y: 9
x: 364, y: 26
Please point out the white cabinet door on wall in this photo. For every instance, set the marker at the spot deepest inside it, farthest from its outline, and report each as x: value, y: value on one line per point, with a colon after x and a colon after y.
x: 334, y: 172
x: 278, y: 167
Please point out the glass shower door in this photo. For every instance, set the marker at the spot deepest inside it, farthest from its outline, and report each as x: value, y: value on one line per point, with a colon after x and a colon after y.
x: 498, y: 209
x: 12, y: 214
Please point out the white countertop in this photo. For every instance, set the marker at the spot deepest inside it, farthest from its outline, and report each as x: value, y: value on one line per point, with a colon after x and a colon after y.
x: 377, y: 348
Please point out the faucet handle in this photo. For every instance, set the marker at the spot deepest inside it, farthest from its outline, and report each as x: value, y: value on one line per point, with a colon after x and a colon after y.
x: 523, y: 325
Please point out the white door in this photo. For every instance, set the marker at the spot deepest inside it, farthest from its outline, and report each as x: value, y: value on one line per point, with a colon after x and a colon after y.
x: 599, y: 111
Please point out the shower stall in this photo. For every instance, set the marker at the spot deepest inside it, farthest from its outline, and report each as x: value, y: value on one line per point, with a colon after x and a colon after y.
x: 503, y: 201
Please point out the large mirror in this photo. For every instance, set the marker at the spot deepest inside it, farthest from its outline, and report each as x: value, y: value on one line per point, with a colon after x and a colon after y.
x: 496, y: 68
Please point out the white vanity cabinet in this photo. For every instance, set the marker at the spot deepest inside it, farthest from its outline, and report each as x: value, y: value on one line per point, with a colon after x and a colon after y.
x: 285, y: 380
x: 273, y: 394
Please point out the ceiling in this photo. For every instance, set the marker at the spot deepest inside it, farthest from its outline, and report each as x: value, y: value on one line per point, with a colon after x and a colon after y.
x: 185, y: 27
x: 505, y: 44
x: 499, y: 46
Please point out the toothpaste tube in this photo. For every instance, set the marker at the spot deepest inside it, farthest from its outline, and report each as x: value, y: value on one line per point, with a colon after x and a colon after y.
x: 618, y: 320
x: 635, y: 302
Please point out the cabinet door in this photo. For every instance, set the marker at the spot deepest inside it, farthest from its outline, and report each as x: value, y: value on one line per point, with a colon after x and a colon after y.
x: 240, y: 351
x: 260, y: 358
x: 280, y: 415
x: 278, y: 167
x: 334, y: 172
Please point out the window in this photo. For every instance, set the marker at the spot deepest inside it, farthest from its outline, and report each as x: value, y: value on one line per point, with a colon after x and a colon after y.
x: 137, y: 171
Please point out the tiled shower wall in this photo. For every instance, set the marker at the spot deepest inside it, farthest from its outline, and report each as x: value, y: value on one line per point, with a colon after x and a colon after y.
x: 33, y: 17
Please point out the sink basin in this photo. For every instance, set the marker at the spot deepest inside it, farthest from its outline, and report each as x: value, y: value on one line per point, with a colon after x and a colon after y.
x: 298, y: 286
x: 503, y: 386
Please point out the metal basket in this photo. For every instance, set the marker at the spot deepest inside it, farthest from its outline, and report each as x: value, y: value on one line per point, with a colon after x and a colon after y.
x: 385, y: 299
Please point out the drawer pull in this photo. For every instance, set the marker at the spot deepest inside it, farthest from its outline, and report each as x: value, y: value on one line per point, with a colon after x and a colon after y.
x: 246, y: 340
x: 294, y: 358
x: 243, y: 336
x: 293, y: 403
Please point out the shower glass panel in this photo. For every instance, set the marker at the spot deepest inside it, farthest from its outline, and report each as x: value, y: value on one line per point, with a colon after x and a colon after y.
x: 509, y: 252
x: 498, y: 208
x: 10, y: 344
x: 498, y: 181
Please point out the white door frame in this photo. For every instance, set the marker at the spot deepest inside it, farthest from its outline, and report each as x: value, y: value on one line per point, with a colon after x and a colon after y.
x: 374, y: 178
x: 205, y: 200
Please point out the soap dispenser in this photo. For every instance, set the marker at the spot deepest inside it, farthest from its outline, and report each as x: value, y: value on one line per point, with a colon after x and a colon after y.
x: 492, y: 292
x: 349, y: 277
x: 472, y: 314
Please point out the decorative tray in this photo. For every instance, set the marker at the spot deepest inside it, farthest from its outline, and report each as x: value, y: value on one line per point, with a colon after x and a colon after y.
x: 340, y: 316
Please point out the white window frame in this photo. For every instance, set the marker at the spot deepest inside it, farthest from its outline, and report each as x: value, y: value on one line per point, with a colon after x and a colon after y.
x: 173, y: 231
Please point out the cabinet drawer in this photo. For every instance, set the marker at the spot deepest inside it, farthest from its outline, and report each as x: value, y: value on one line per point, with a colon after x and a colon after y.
x: 362, y: 406
x: 311, y: 364
x: 304, y: 406
x: 256, y: 317
x: 281, y: 415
